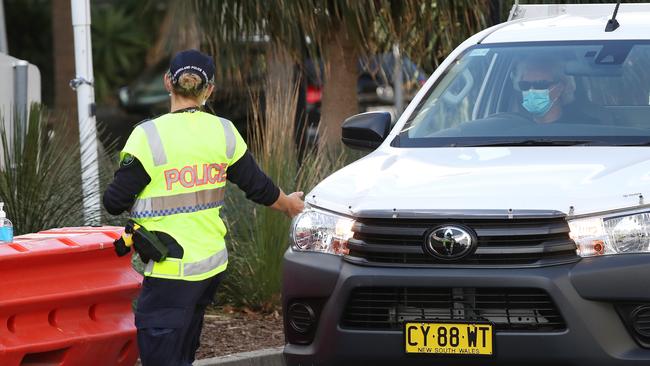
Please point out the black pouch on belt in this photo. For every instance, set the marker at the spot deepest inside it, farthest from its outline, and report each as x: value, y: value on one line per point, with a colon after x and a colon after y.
x: 147, y: 243
x: 121, y: 248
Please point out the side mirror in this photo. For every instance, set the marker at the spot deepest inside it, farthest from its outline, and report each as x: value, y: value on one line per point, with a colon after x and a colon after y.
x: 366, y: 131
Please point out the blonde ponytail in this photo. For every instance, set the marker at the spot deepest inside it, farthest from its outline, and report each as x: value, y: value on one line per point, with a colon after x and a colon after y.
x: 189, y: 85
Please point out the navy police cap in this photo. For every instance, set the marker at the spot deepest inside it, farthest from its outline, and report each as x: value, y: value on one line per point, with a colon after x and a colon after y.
x: 194, y: 62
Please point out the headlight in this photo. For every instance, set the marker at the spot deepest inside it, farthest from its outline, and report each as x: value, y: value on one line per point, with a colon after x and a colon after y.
x: 320, y: 231
x: 620, y: 234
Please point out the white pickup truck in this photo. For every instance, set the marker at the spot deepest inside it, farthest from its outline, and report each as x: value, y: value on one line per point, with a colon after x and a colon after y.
x: 503, y: 220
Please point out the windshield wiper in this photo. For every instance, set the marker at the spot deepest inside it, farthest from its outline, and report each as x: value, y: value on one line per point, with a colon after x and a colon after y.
x: 536, y: 142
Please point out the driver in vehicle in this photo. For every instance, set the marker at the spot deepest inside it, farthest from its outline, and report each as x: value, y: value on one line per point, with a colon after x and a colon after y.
x: 547, y: 93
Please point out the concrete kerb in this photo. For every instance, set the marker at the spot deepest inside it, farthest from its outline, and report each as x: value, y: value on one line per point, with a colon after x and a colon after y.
x: 264, y: 357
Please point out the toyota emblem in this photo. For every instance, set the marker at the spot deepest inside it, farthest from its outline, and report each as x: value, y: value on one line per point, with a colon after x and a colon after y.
x: 450, y: 242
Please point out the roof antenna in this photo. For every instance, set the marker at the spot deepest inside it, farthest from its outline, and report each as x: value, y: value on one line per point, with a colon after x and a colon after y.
x: 612, y: 24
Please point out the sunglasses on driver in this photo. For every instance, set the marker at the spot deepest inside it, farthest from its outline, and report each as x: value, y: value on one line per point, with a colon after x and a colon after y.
x: 537, y: 84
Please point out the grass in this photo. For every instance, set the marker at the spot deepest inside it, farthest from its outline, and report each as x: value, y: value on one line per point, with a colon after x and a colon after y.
x: 258, y: 235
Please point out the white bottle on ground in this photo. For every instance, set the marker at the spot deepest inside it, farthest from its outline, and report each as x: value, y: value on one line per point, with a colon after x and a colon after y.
x: 6, y: 227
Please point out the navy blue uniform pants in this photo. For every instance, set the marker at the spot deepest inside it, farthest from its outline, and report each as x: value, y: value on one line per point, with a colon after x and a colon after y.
x: 169, y: 319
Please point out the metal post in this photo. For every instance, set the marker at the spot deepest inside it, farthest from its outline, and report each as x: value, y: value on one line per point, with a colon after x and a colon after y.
x: 398, y: 82
x: 4, y: 48
x: 20, y: 98
x: 86, y: 109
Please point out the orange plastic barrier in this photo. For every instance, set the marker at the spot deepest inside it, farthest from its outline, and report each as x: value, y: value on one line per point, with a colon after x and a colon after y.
x: 66, y: 299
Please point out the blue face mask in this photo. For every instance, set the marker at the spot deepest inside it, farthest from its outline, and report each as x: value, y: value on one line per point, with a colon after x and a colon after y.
x: 537, y: 102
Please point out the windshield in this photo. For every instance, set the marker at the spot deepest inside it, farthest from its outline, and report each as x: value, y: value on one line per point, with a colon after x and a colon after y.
x: 582, y: 93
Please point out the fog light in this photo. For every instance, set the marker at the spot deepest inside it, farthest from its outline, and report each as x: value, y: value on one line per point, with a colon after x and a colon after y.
x: 640, y: 319
x: 637, y: 321
x: 301, y: 317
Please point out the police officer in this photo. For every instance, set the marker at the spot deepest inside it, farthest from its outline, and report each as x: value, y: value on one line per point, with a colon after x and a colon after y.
x: 172, y: 178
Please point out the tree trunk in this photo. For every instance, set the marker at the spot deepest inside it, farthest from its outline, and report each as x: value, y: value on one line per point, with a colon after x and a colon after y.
x: 280, y: 82
x: 176, y: 33
x: 339, y: 89
x: 65, y: 99
x: 496, y: 7
x: 280, y: 68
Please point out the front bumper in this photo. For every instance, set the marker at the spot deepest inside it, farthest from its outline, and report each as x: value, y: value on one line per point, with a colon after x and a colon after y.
x: 586, y: 293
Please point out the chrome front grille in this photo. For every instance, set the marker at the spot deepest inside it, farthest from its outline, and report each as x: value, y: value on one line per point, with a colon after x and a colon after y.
x: 501, y: 242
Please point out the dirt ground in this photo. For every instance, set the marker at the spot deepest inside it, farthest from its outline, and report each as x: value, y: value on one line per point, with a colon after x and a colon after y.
x: 227, y: 331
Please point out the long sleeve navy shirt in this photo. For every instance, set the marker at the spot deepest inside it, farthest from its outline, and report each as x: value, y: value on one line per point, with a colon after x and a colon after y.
x: 130, y: 179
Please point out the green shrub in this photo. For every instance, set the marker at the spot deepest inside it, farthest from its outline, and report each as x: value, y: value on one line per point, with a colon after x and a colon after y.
x: 40, y: 175
x: 259, y: 235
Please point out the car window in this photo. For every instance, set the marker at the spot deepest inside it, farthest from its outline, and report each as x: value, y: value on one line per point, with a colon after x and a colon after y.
x: 630, y: 88
x: 549, y: 93
x: 453, y: 100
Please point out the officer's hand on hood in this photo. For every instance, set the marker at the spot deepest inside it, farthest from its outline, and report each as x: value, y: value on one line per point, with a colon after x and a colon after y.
x: 291, y: 204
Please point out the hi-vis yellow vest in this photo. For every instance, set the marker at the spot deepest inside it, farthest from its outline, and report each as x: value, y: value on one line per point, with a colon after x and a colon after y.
x: 186, y: 155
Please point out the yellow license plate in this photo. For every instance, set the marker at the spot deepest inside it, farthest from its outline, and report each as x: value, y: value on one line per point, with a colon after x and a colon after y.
x: 448, y: 338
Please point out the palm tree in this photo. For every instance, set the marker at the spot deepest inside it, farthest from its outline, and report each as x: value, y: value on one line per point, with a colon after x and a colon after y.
x: 65, y: 99
x: 339, y: 32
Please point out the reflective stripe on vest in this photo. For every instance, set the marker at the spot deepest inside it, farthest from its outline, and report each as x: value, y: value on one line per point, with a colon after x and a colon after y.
x: 176, y: 268
x: 230, y: 138
x: 158, y: 150
x: 178, y: 203
x: 155, y: 143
